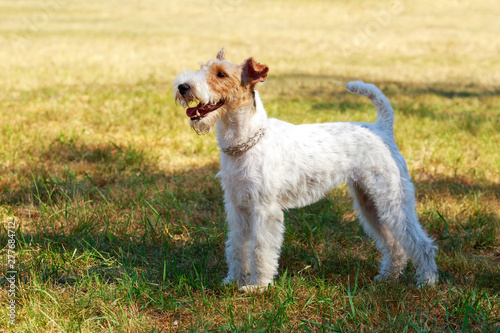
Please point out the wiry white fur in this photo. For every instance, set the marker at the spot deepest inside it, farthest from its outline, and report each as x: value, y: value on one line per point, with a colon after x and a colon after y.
x: 200, y: 90
x: 296, y: 165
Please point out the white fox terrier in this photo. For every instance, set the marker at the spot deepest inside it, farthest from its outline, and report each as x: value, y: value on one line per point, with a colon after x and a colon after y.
x: 268, y: 165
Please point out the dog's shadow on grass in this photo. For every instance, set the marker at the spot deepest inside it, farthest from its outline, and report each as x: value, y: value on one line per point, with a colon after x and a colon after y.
x: 112, y: 206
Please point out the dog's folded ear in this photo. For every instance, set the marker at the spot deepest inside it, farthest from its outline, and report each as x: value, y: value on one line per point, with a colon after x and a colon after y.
x: 254, y: 72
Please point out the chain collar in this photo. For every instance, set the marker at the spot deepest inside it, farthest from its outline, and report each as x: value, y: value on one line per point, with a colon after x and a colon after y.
x: 241, y: 148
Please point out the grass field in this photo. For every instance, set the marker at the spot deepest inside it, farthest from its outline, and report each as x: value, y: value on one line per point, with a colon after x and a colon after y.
x: 119, y: 221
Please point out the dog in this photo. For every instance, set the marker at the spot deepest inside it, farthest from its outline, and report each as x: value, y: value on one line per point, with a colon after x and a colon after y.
x: 268, y: 166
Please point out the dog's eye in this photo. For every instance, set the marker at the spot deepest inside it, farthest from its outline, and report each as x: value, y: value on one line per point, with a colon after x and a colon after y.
x: 221, y: 74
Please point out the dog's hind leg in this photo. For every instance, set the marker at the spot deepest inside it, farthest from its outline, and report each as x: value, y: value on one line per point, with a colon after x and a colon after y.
x: 393, y: 222
x: 394, y: 257
x: 419, y: 246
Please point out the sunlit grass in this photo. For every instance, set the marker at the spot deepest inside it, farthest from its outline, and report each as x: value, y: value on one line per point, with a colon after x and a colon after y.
x: 121, y: 222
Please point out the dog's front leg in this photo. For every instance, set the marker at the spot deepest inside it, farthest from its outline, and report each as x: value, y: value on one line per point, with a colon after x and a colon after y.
x: 237, y: 244
x: 267, y: 228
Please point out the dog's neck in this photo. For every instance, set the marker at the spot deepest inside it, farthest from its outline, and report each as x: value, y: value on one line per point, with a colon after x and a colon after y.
x: 237, y: 126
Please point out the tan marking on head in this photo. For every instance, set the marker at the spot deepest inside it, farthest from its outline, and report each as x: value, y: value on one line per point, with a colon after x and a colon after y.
x: 232, y: 83
x: 224, y: 78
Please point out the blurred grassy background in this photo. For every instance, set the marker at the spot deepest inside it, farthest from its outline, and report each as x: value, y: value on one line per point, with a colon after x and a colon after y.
x: 120, y: 220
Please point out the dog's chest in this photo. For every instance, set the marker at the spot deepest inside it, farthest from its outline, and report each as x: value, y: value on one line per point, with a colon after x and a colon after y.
x: 242, y: 180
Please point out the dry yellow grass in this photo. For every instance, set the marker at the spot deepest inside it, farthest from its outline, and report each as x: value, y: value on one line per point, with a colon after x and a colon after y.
x: 108, y: 41
x: 66, y: 43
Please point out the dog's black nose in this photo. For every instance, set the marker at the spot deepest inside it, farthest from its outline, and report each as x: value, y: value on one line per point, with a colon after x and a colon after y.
x: 183, y: 88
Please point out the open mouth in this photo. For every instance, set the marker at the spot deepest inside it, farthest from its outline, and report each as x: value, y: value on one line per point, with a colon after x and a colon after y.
x: 201, y: 110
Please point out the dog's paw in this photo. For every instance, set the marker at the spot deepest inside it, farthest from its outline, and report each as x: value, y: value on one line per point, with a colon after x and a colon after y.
x: 238, y: 280
x: 387, y: 278
x: 229, y: 281
x: 252, y: 289
x: 428, y: 279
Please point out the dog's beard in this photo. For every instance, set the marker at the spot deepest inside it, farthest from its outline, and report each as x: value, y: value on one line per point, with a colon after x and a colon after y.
x: 206, y: 124
x: 200, y: 126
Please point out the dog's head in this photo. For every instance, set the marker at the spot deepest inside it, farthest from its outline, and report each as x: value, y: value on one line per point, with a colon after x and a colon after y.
x: 217, y: 88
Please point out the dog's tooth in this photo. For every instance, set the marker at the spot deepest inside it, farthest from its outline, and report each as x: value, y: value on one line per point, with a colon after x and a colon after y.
x: 197, y: 113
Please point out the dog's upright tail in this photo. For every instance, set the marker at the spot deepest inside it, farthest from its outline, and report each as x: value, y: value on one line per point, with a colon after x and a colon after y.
x: 385, y: 113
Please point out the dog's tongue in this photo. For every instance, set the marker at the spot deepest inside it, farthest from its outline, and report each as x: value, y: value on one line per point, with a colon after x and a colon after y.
x: 191, y: 112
